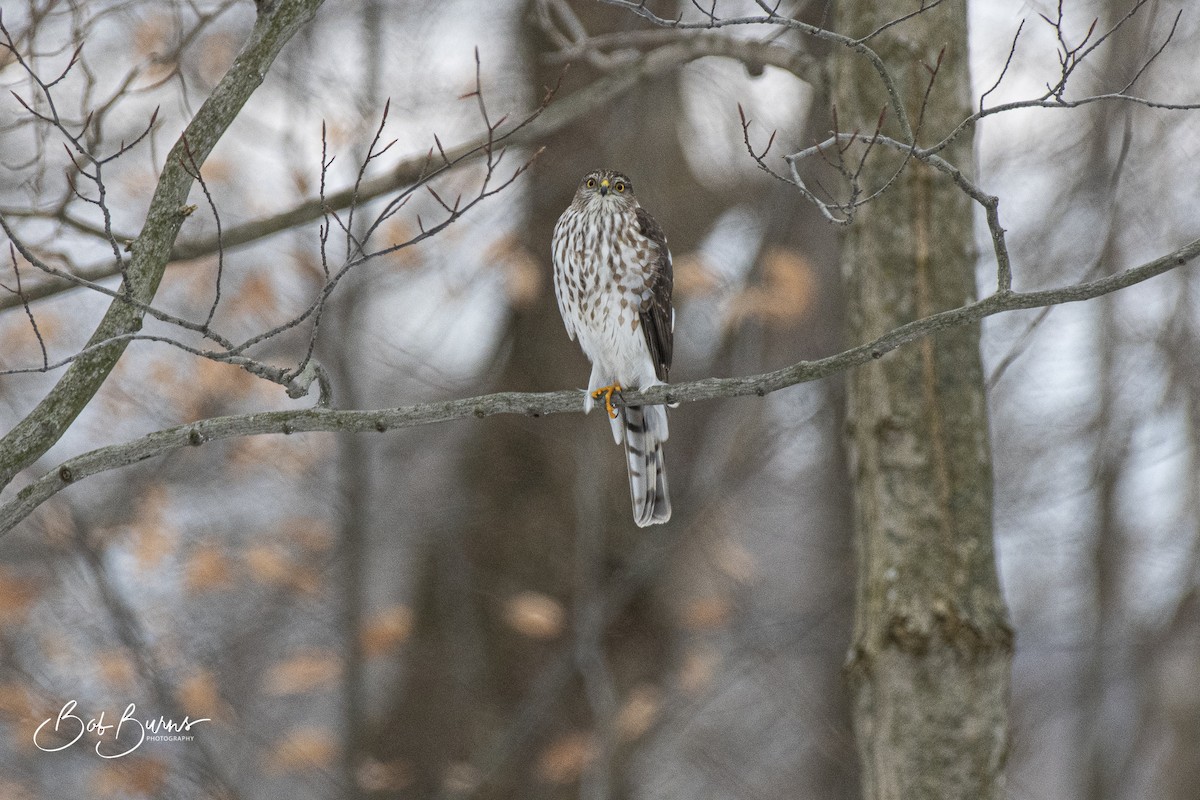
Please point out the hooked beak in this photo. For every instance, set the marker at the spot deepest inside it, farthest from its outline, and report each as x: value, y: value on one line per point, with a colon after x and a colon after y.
x: 603, y: 187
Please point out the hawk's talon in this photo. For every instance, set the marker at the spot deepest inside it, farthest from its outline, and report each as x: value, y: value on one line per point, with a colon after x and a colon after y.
x: 608, y: 391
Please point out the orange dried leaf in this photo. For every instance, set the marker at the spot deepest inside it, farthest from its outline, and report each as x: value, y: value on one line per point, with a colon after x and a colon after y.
x: 256, y: 296
x: 373, y: 775
x: 696, y: 673
x: 300, y: 181
x: 535, y: 615
x: 306, y: 581
x: 787, y: 293
x: 386, y: 630
x: 207, y: 568
x: 132, y: 776
x: 310, y: 533
x: 315, y: 669
x: 199, y: 696
x: 308, y: 266
x: 694, y: 276
x: 396, y: 231
x: 218, y: 170
x: 277, y: 453
x: 10, y: 790
x: 735, y: 561
x: 460, y: 778
x: 195, y: 281
x: 151, y: 536
x: 18, y: 342
x: 523, y: 273
x: 15, y: 701
x: 18, y: 593
x: 303, y: 749
x: 224, y: 380
x: 54, y: 646
x: 268, y: 564
x: 163, y: 374
x: 116, y: 669
x: 154, y: 501
x: 151, y: 543
x: 706, y: 613
x: 152, y: 35
x: 638, y: 712
x: 216, y: 54
x: 564, y: 759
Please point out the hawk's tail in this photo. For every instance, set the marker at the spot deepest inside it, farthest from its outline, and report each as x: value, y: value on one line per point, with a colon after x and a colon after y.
x: 645, y: 429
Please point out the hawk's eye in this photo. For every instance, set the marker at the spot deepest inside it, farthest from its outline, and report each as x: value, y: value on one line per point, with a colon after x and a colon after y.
x: 591, y: 183
x: 620, y: 187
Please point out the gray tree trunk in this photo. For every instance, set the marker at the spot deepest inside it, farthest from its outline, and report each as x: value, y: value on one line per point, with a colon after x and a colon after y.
x: 929, y: 667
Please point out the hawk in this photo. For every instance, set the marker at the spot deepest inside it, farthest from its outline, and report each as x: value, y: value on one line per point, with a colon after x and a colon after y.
x: 612, y: 278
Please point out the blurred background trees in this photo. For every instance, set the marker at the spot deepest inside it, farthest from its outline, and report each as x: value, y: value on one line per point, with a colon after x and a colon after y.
x: 465, y: 610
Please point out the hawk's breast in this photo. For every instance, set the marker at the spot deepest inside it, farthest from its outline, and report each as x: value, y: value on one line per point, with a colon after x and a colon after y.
x: 602, y: 279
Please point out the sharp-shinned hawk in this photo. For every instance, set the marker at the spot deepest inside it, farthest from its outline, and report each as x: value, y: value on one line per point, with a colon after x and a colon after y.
x: 612, y: 278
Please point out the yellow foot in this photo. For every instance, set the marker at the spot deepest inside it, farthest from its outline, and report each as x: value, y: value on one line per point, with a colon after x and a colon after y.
x: 608, y: 391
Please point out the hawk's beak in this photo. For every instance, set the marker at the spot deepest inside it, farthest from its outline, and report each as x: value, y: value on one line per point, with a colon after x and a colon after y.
x: 603, y: 187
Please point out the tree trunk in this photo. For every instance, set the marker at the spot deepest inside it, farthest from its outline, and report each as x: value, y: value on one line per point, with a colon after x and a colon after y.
x: 929, y: 668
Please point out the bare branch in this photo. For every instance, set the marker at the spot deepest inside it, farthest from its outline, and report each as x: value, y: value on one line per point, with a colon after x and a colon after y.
x: 547, y: 120
x: 569, y: 401
x: 900, y: 20
x: 1154, y: 56
x: 38, y: 431
x: 118, y: 296
x: 266, y: 371
x: 826, y: 209
x: 353, y: 246
x: 772, y: 18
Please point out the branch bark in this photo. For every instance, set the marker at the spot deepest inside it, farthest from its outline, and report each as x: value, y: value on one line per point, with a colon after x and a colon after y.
x: 539, y: 404
x: 37, y: 432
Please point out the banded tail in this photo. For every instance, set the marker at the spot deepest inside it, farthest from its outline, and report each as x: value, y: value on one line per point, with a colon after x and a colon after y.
x: 643, y: 429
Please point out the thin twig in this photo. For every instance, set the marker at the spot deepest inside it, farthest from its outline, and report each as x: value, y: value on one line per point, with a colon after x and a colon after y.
x: 194, y: 170
x: 1012, y: 51
x: 20, y: 293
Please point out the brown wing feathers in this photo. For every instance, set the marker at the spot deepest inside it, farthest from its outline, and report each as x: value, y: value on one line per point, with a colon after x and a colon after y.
x: 656, y: 316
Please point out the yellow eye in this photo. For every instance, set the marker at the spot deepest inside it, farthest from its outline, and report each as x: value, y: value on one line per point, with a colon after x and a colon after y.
x: 591, y: 183
x: 620, y: 187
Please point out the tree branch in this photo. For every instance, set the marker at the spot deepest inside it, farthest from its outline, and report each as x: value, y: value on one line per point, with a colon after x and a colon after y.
x: 895, y: 104
x: 38, y: 431
x: 559, y: 114
x: 538, y: 404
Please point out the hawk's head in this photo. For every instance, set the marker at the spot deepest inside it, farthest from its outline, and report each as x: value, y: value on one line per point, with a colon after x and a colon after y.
x: 605, y: 187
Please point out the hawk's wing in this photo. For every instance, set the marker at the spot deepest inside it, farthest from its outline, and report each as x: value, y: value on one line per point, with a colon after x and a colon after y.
x: 657, y: 316
x: 559, y: 254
